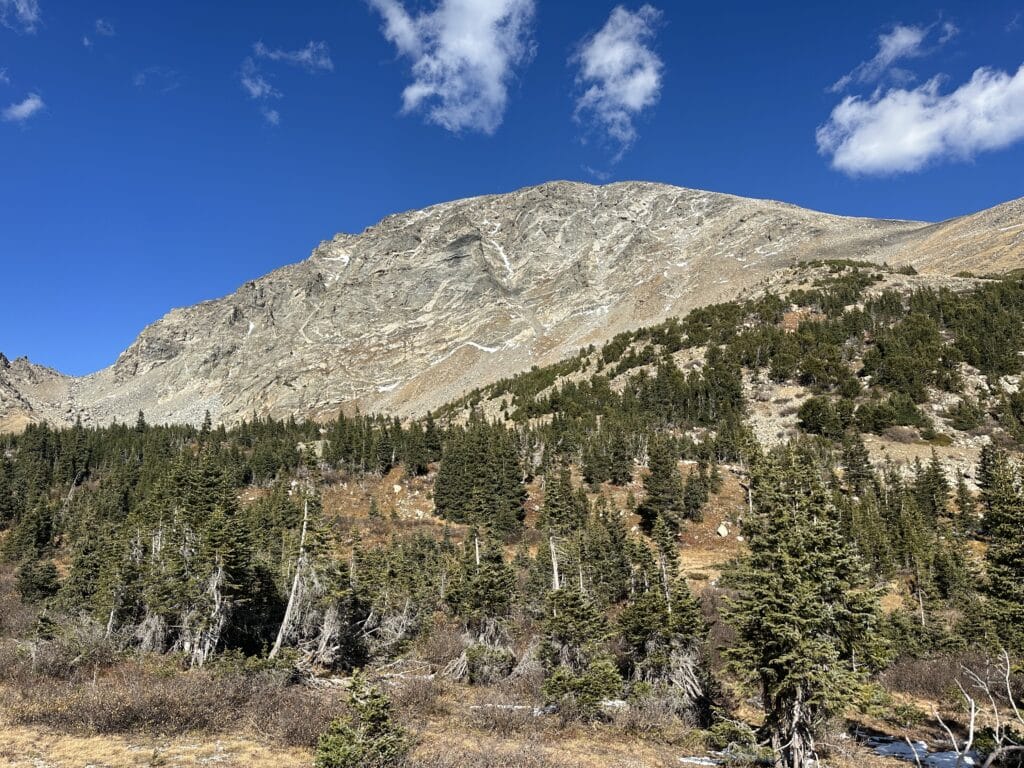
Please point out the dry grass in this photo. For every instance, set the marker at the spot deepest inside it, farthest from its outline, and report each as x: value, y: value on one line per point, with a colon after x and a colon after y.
x: 37, y: 748
x: 154, y: 696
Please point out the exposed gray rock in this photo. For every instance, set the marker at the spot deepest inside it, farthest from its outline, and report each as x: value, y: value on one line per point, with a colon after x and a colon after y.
x: 428, y: 304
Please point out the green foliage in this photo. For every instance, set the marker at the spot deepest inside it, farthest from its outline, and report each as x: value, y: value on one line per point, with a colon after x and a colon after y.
x: 486, y: 664
x: 37, y: 581
x: 663, y: 486
x: 804, y: 608
x: 583, y: 691
x: 1003, y: 502
x: 480, y: 481
x: 367, y: 737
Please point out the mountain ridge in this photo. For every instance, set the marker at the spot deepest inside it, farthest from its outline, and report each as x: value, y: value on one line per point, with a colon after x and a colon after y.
x: 426, y: 304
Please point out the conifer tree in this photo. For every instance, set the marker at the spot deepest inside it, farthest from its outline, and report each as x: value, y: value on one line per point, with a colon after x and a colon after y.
x: 579, y: 671
x: 804, y: 615
x: 1004, y: 559
x: 664, y: 487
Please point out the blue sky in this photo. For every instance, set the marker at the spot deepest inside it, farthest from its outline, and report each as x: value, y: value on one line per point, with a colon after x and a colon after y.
x: 155, y: 154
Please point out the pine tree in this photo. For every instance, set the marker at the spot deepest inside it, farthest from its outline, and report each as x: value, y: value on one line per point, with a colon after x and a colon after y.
x: 367, y: 736
x: 483, y: 593
x: 620, y: 458
x: 856, y: 464
x: 804, y: 615
x: 1004, y: 558
x: 696, y: 491
x: 664, y: 487
x: 966, y: 508
x: 580, y: 673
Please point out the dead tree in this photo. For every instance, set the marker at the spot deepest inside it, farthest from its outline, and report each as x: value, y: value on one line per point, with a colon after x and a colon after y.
x: 1004, y: 720
x: 300, y: 563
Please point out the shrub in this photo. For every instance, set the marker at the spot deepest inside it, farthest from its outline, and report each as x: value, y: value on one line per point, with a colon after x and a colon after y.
x: 582, y: 693
x: 37, y: 581
x: 966, y: 415
x: 487, y: 664
x: 730, y: 735
x: 367, y: 737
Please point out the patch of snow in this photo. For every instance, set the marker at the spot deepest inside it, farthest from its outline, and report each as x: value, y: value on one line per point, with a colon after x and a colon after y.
x: 917, y: 752
x: 344, y: 258
x: 481, y: 347
x: 901, y: 750
x: 388, y: 387
x: 949, y: 760
x: 252, y: 327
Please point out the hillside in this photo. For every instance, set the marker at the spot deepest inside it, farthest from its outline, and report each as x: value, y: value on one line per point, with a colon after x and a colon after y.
x: 426, y: 305
x: 574, y: 565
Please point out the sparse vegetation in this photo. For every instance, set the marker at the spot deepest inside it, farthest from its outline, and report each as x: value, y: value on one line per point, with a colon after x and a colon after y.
x: 562, y: 572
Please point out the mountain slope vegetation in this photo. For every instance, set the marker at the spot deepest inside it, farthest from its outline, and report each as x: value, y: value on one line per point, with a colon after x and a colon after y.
x: 606, y: 538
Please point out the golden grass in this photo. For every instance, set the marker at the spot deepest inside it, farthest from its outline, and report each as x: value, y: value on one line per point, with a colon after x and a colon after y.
x: 38, y: 748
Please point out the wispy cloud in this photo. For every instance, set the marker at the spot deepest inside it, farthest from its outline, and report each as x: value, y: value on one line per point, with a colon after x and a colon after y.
x: 103, y: 29
x: 902, y: 42
x: 163, y: 79
x: 905, y: 130
x: 255, y: 84
x: 1015, y: 23
x: 621, y: 74
x: 315, y: 56
x: 4, y: 77
x: 21, y: 111
x: 464, y: 56
x: 20, y: 14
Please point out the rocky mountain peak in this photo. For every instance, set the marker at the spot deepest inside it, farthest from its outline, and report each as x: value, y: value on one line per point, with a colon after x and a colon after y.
x: 424, y: 305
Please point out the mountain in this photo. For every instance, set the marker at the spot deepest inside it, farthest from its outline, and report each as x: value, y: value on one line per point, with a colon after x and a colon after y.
x: 425, y: 305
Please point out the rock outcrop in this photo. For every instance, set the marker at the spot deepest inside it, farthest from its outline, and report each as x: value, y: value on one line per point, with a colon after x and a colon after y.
x: 425, y: 305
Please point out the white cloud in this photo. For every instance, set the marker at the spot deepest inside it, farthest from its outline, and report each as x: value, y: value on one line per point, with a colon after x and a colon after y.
x: 464, y: 54
x: 272, y: 116
x: 163, y: 79
x: 903, y: 42
x: 23, y: 110
x: 620, y: 72
x: 104, y: 28
x: 255, y: 84
x: 86, y: 41
x: 904, y: 130
x: 4, y: 78
x: 21, y: 13
x: 314, y: 56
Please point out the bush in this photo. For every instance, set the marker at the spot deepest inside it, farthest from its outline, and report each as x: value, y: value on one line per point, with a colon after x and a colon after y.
x: 37, y: 581
x: 730, y: 735
x: 966, y: 415
x: 367, y: 737
x: 155, y: 696
x: 582, y: 693
x: 486, y: 664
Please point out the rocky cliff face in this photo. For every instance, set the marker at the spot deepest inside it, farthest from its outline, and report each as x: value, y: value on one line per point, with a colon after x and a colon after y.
x: 425, y: 305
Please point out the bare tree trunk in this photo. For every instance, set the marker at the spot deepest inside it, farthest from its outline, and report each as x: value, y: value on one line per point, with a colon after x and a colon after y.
x: 555, y: 582
x: 299, y: 563
x: 664, y: 582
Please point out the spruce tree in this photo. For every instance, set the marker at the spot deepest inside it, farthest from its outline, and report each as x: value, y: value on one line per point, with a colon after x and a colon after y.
x: 1004, y: 559
x: 804, y: 614
x: 664, y: 487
